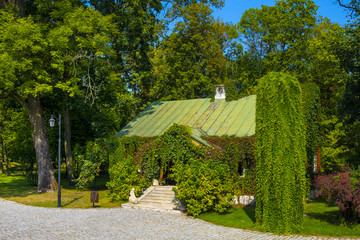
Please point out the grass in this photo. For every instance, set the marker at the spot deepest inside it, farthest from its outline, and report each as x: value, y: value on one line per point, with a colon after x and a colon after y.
x: 15, y: 188
x: 320, y: 219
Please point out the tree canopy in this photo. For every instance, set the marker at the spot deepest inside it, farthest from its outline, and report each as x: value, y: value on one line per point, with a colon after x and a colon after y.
x: 99, y: 63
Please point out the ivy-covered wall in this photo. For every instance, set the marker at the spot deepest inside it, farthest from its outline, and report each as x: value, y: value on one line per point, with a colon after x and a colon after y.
x: 206, y: 177
x: 239, y: 155
x: 280, y: 154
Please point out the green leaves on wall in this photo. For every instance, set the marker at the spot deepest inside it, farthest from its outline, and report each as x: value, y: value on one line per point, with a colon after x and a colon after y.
x: 280, y: 154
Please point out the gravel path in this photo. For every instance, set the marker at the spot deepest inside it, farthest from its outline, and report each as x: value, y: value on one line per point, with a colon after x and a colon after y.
x: 19, y: 221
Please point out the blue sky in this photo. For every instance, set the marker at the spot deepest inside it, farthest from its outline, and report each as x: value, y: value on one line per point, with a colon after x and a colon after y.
x: 234, y: 9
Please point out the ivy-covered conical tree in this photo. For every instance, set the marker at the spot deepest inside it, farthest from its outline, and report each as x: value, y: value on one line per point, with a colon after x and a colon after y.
x: 280, y: 154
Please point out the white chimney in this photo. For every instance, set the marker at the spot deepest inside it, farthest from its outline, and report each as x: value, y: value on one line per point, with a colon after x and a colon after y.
x: 220, y: 92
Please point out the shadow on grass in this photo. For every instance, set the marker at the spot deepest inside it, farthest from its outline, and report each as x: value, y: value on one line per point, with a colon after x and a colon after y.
x: 250, y: 212
x: 15, y: 186
x: 323, y: 212
x: 330, y: 217
x: 72, y: 201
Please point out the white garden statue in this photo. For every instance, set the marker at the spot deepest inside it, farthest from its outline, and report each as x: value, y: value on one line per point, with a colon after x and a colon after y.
x: 133, y: 198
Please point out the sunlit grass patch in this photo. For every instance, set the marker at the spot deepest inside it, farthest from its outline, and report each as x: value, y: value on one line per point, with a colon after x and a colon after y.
x: 15, y: 188
x: 319, y: 219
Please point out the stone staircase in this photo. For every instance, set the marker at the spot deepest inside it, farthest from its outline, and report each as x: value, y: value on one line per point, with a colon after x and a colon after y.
x: 159, y: 198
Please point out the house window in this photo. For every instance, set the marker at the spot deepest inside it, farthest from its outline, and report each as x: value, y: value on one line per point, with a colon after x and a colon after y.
x: 241, y: 170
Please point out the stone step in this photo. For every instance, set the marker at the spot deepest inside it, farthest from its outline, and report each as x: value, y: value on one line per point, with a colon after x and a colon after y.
x: 159, y: 201
x: 165, y: 187
x: 167, y: 194
x: 158, y: 198
x: 163, y: 190
x: 152, y: 197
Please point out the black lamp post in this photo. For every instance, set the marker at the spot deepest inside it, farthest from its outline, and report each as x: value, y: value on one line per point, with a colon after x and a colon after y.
x: 52, y: 124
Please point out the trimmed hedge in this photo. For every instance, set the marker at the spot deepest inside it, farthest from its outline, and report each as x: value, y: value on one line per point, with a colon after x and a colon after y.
x: 280, y: 154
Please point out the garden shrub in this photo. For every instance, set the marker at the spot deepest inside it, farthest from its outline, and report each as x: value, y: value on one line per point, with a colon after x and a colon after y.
x: 90, y: 162
x: 124, y: 174
x: 342, y: 189
x: 203, y: 185
x: 280, y: 154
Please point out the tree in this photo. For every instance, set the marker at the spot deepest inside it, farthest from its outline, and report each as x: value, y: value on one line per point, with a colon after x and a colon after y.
x: 352, y: 5
x: 37, y: 57
x: 277, y: 37
x: 287, y: 37
x: 16, y: 143
x: 191, y: 59
x: 84, y: 67
x: 349, y: 107
x: 136, y: 22
x: 254, y: 26
x: 280, y: 154
x: 22, y: 60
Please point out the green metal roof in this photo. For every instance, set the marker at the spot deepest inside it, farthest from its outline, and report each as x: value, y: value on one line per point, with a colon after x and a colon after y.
x: 218, y: 118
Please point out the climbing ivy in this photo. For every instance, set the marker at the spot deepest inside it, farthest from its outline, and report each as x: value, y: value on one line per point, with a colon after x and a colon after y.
x: 280, y: 154
x: 238, y: 154
x: 175, y: 145
x: 311, y: 108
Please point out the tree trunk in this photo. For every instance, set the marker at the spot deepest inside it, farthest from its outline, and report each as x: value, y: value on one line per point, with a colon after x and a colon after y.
x: 18, y: 3
x: 46, y: 180
x: 1, y: 165
x: 6, y: 160
x: 67, y: 143
x: 318, y: 160
x: 2, y: 158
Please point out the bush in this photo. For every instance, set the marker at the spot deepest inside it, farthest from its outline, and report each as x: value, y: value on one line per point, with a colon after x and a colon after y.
x: 342, y: 189
x: 96, y: 153
x: 203, y: 185
x: 124, y: 175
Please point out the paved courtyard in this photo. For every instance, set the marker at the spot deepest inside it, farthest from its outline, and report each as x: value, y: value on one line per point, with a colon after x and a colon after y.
x: 18, y: 221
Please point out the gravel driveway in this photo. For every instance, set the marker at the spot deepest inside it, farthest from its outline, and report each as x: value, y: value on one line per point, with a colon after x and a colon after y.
x: 19, y: 221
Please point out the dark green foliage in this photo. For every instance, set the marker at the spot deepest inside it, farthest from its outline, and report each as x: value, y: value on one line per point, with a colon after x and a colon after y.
x: 90, y: 161
x: 349, y: 105
x: 311, y: 106
x: 280, y: 154
x: 175, y: 145
x: 124, y: 174
x: 203, y: 185
x: 238, y: 154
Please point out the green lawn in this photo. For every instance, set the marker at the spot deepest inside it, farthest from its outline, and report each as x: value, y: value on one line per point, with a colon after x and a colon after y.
x: 15, y: 188
x: 319, y: 219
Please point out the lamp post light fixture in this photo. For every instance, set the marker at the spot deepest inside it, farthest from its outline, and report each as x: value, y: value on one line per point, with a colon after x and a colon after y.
x: 52, y: 124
